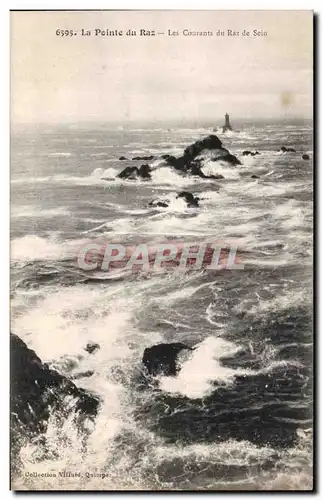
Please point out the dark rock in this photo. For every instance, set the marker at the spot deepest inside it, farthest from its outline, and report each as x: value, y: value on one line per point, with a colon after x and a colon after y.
x: 133, y: 173
x: 287, y: 150
x: 230, y: 159
x: 128, y: 173
x: 250, y: 153
x: 253, y: 176
x: 86, y: 374
x: 161, y: 359
x: 144, y: 172
x: 166, y: 157
x: 191, y: 163
x: 37, y: 392
x: 123, y: 158
x: 91, y: 347
x: 162, y: 204
x: 177, y: 163
x: 191, y: 201
x: 210, y: 142
x: 305, y: 157
x: 146, y: 158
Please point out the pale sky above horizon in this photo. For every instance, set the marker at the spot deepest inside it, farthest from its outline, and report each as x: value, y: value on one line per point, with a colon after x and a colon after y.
x: 55, y: 79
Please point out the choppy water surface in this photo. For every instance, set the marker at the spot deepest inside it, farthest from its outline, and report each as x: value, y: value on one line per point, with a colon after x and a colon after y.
x: 239, y: 413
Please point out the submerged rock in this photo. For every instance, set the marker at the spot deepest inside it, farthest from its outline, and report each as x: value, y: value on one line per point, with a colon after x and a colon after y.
x: 161, y: 359
x: 253, y: 176
x: 287, y: 150
x: 37, y: 391
x: 250, y: 153
x: 133, y: 173
x: 305, y: 157
x: 91, y: 347
x: 145, y: 158
x: 162, y: 204
x: 191, y: 201
x: 122, y: 158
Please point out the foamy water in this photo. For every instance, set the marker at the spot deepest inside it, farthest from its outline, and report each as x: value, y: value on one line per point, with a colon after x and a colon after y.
x: 250, y: 330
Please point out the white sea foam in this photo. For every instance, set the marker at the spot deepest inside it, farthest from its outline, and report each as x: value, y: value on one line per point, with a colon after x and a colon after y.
x: 197, y: 374
x: 61, y: 154
x: 221, y: 167
x: 32, y: 247
x: 167, y: 175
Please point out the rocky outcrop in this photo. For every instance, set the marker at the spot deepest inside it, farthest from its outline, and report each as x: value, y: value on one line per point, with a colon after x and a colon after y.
x: 287, y: 150
x: 250, y: 153
x: 204, y: 150
x: 144, y: 158
x: 207, y: 149
x: 191, y: 200
x: 158, y: 203
x: 37, y: 391
x: 91, y: 347
x: 161, y: 359
x: 134, y: 173
x: 122, y: 158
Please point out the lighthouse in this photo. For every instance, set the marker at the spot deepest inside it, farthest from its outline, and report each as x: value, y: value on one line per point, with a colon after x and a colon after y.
x: 227, y: 125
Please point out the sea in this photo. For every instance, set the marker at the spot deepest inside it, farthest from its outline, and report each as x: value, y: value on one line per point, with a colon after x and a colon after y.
x: 238, y: 414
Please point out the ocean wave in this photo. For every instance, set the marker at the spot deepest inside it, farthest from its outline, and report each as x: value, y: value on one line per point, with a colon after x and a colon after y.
x: 60, y: 154
x: 194, y: 382
x: 33, y: 247
x: 38, y: 211
x: 220, y: 167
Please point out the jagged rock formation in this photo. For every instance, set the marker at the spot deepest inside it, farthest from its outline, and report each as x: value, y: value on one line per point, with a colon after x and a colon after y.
x: 134, y: 173
x: 210, y: 148
x: 37, y: 392
x: 192, y: 202
x: 161, y: 359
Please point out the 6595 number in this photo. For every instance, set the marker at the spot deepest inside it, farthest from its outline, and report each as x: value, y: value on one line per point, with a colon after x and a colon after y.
x: 65, y: 33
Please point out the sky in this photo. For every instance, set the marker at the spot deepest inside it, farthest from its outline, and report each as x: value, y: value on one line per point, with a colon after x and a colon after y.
x: 58, y: 79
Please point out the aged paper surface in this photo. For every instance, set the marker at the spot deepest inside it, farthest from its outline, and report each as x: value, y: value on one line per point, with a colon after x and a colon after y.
x: 161, y: 250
